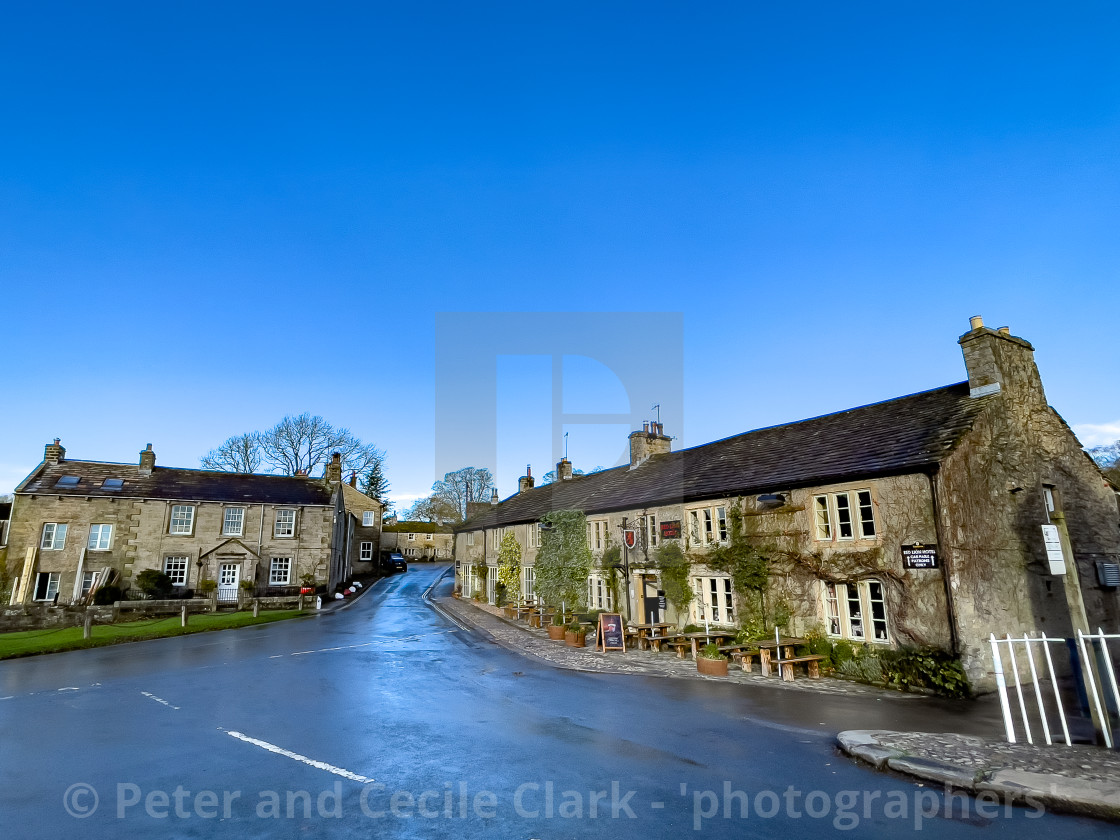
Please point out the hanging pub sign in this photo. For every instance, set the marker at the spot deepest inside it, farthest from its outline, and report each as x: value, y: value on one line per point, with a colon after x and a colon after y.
x: 671, y: 530
x: 609, y: 635
x: 918, y: 556
x: 630, y: 537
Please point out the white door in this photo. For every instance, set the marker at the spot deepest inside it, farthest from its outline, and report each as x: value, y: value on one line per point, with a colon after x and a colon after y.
x: 228, y: 576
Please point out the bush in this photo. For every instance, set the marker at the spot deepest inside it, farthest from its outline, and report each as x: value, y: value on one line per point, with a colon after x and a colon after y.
x: 106, y: 596
x: 154, y: 584
x: 929, y: 668
x: 693, y: 628
x: 842, y: 651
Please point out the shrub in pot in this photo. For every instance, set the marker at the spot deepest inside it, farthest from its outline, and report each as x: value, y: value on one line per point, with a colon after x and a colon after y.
x: 710, y: 662
x: 556, y: 628
x: 575, y: 635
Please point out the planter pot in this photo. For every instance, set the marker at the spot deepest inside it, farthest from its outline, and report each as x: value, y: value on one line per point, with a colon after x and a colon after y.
x: 307, y: 590
x: 555, y: 633
x: 711, y: 667
x: 575, y: 639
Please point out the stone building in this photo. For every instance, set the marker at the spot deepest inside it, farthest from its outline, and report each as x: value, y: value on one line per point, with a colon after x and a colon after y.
x: 418, y: 540
x: 77, y: 525
x: 917, y: 520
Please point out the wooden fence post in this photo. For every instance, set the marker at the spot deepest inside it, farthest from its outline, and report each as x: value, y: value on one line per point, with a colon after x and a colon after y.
x: 87, y: 625
x: 183, y: 617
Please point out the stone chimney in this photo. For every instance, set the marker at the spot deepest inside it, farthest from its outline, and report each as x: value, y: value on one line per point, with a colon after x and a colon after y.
x: 334, y: 469
x: 650, y: 441
x: 999, y: 362
x: 526, y: 481
x: 564, y: 470
x: 54, y: 452
x: 494, y: 498
x: 147, y: 460
x: 354, y: 479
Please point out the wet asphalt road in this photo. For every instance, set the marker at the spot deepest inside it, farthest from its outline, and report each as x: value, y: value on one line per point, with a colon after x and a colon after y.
x: 386, y: 720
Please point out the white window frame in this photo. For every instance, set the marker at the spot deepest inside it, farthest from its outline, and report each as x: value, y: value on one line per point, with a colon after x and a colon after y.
x: 54, y: 536
x: 175, y: 566
x: 844, y: 516
x: 599, y: 593
x: 368, y: 520
x: 88, y: 579
x: 100, y: 538
x: 54, y: 579
x: 714, y: 601
x: 280, y: 571
x: 411, y: 537
x: 365, y: 551
x: 231, y: 517
x: 529, y: 583
x: 470, y: 537
x: 534, y: 535
x: 182, y: 520
x: 649, y: 526
x: 598, y: 534
x: 856, y: 611
x: 708, y: 525
x: 285, y: 523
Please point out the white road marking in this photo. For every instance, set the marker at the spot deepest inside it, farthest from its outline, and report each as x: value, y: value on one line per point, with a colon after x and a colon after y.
x: 321, y: 765
x: 386, y: 641
x: 9, y: 697
x: 69, y: 688
x: 151, y: 696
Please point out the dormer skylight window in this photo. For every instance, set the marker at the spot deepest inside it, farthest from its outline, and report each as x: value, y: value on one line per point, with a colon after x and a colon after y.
x: 67, y: 481
x: 112, y: 484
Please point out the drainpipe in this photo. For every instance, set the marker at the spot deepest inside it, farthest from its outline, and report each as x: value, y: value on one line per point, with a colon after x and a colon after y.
x: 946, y: 570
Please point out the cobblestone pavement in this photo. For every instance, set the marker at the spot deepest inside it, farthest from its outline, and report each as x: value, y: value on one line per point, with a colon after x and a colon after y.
x: 519, y: 636
x: 1077, y: 779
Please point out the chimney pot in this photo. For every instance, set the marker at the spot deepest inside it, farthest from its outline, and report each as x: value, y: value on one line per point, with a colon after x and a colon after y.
x: 976, y: 322
x: 354, y: 478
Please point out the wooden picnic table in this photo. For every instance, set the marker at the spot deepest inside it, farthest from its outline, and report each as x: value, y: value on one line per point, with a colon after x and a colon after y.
x: 742, y: 653
x: 717, y: 635
x: 786, y: 644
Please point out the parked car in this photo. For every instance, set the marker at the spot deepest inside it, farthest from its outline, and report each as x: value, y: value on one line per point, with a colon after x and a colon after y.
x: 397, y: 562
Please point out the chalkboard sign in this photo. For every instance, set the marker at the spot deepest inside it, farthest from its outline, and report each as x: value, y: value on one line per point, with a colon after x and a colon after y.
x: 918, y: 556
x: 610, y: 635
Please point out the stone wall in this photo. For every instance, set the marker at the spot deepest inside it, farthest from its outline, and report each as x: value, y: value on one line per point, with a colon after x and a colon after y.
x: 45, y: 616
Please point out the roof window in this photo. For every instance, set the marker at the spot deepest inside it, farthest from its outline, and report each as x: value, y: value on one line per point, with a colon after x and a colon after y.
x: 67, y: 481
x: 112, y: 484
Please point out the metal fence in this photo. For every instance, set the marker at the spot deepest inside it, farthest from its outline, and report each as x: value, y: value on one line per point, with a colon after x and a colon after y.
x: 1028, y: 662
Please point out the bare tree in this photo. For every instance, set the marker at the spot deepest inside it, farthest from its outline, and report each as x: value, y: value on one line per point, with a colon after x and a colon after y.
x: 459, y: 488
x: 301, y: 444
x: 305, y: 443
x: 1107, y: 457
x: 434, y: 509
x: 239, y: 454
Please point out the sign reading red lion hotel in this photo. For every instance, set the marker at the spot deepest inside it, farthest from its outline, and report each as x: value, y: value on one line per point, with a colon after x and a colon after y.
x: 671, y: 530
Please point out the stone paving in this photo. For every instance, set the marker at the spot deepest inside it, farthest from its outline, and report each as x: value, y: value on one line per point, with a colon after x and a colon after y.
x: 519, y: 636
x: 1078, y: 779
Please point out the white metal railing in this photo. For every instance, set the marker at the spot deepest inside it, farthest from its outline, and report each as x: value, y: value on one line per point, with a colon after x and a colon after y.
x: 227, y: 594
x: 1033, y: 651
x: 1103, y: 664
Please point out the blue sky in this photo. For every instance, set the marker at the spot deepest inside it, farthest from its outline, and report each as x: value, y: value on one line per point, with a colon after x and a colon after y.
x: 212, y: 215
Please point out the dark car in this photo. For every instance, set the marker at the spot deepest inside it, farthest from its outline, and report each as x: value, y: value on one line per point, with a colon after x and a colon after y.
x: 397, y: 563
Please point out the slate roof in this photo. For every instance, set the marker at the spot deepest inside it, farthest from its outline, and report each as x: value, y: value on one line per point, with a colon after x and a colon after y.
x: 176, y: 484
x: 357, y: 502
x: 906, y: 434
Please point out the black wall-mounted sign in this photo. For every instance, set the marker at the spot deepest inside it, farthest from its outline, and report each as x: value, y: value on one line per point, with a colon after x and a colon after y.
x: 671, y: 530
x: 918, y: 556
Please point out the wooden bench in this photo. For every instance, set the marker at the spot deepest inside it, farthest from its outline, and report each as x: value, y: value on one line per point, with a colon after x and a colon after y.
x: 743, y: 654
x: 681, y: 646
x: 812, y: 665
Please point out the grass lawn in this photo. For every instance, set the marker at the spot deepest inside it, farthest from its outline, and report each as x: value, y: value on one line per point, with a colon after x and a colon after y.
x: 29, y: 642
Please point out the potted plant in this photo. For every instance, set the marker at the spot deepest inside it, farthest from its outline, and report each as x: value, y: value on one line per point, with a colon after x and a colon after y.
x: 575, y: 635
x: 307, y: 584
x: 710, y: 662
x: 556, y: 628
x: 207, y: 586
